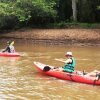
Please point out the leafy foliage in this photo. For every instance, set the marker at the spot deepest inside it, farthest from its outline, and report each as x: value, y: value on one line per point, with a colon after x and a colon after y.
x: 17, y: 13
x: 26, y: 10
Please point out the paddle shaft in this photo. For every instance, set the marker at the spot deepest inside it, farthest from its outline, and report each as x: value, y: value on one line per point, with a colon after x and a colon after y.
x: 60, y: 60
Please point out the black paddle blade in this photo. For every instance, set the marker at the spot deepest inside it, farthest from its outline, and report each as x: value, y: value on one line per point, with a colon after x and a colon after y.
x: 46, y: 68
x: 98, y: 76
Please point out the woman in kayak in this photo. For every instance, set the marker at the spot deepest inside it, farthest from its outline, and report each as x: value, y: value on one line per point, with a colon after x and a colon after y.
x: 10, y: 48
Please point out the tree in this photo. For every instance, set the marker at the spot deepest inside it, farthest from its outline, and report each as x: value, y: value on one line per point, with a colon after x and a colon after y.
x: 26, y: 12
x: 88, y: 11
x: 74, y: 8
x: 64, y: 10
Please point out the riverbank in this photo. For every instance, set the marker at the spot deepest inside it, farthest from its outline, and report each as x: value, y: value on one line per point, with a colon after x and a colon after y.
x: 56, y: 36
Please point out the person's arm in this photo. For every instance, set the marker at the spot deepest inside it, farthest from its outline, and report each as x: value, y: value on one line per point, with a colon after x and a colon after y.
x: 68, y: 61
x: 6, y: 49
x: 93, y: 73
x: 62, y: 60
x: 65, y: 61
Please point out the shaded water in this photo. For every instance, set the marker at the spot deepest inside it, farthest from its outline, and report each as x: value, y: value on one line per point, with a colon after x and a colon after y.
x: 19, y: 80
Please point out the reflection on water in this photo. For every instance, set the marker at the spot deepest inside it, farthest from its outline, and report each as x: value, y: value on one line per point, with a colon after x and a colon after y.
x: 19, y: 80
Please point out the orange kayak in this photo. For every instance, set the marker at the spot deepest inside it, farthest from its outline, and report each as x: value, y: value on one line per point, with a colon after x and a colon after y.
x: 76, y: 76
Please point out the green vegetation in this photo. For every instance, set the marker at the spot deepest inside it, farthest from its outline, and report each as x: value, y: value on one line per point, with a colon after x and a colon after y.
x: 23, y: 12
x: 48, y: 13
x: 73, y: 25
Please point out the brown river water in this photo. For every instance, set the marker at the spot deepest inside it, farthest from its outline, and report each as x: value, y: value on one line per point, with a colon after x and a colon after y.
x: 19, y: 80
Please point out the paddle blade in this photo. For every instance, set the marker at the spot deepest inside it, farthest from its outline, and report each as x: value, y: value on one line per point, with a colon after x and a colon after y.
x: 12, y: 43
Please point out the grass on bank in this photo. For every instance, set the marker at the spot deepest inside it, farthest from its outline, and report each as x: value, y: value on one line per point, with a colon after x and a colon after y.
x: 60, y: 25
x: 74, y: 25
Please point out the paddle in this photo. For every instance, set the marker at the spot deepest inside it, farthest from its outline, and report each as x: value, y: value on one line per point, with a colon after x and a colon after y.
x: 7, y: 49
x: 47, y: 68
x: 60, y: 60
x: 12, y: 43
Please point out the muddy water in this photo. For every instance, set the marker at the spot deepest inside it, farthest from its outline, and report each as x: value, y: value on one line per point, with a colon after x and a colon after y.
x: 19, y: 80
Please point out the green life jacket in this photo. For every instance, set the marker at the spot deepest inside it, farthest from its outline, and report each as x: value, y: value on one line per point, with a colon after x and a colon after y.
x: 69, y: 67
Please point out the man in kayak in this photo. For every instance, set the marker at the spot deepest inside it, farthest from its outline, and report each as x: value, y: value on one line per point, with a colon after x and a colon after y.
x: 10, y: 48
x: 69, y: 63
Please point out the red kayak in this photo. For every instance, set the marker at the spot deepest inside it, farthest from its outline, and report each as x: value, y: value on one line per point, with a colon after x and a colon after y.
x: 77, y: 76
x: 6, y: 54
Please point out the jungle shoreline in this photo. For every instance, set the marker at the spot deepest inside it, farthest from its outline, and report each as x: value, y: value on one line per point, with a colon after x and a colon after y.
x: 76, y: 37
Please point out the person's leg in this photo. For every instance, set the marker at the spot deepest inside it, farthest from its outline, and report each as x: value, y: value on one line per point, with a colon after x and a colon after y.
x: 93, y: 73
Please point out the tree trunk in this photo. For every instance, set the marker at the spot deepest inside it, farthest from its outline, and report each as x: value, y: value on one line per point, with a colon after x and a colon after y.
x: 74, y: 10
